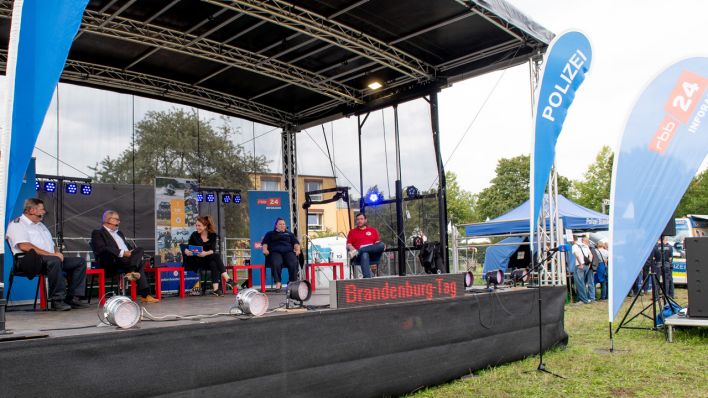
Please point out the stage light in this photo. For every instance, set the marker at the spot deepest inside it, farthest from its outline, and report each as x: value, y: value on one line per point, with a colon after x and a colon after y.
x: 412, y: 192
x: 469, y: 279
x: 86, y: 189
x: 226, y: 198
x: 299, y: 291
x: 72, y: 188
x: 373, y: 197
x: 251, y: 302
x: 520, y: 275
x: 119, y: 311
x: 375, y: 85
x: 495, y: 277
x: 50, y: 186
x: 210, y: 197
x: 36, y: 185
x: 200, y: 197
x: 237, y: 198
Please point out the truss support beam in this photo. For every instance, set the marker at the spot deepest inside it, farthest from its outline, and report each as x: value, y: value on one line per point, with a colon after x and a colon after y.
x: 288, y: 141
x: 288, y: 15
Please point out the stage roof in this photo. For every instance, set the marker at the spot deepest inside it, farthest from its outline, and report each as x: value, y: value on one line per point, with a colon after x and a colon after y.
x: 297, y: 63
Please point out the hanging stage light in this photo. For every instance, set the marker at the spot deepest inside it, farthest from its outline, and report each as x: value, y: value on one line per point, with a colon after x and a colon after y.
x: 237, y: 198
x: 210, y: 197
x: 520, y: 275
x: 495, y: 277
x: 50, y: 186
x: 119, y: 311
x: 225, y: 198
x: 36, y: 185
x: 469, y: 279
x: 72, y: 188
x: 299, y: 291
x: 412, y: 192
x: 251, y: 302
x: 200, y: 197
x: 86, y: 189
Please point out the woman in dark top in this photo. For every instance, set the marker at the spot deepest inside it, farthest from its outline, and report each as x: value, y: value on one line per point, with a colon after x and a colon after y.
x: 280, y: 247
x: 205, y: 236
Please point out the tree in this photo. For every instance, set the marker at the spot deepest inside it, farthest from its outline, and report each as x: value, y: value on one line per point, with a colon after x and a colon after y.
x: 169, y: 144
x: 459, y: 201
x: 695, y: 200
x: 595, y: 185
x: 510, y: 188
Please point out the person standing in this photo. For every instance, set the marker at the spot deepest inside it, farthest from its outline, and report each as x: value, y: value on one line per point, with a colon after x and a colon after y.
x: 582, y: 267
x: 27, y: 234
x: 602, y: 268
x: 113, y: 252
x: 364, y: 245
x: 664, y: 265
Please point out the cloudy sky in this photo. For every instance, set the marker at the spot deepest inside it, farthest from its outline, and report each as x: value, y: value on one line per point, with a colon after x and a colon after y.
x: 485, y: 118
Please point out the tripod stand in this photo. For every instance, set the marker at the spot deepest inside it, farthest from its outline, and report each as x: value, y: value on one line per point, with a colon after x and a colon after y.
x: 658, y: 293
x: 542, y: 366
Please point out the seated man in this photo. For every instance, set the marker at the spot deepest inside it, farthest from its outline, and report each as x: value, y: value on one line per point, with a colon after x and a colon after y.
x: 27, y: 233
x: 364, y: 245
x: 113, y: 252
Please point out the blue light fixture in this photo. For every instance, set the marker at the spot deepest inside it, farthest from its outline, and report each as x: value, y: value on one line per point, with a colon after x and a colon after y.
x: 210, y: 197
x: 72, y: 188
x: 412, y: 192
x: 36, y: 185
x: 226, y: 198
x: 200, y: 197
x: 50, y: 186
x: 86, y: 189
x: 237, y: 198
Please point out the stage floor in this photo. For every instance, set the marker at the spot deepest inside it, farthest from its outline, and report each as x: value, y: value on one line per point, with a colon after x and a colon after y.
x: 23, y: 321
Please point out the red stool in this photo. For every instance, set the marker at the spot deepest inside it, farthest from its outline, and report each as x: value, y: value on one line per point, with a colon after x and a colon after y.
x: 250, y: 269
x: 158, y: 279
x: 101, y: 283
x: 310, y: 272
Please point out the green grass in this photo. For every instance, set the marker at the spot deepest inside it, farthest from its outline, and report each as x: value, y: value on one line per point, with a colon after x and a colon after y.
x: 643, y: 364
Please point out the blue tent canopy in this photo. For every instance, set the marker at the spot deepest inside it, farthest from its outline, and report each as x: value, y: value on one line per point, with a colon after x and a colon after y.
x: 497, y: 257
x: 516, y: 221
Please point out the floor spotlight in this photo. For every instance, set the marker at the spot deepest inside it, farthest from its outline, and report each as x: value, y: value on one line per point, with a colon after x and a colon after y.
x: 119, y: 311
x: 495, y: 277
x: 299, y: 291
x: 469, y: 279
x: 251, y: 302
x: 86, y: 189
x: 520, y: 275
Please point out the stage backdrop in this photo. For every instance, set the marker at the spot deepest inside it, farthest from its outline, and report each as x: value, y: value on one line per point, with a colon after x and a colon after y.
x: 664, y: 142
x: 176, y: 213
x: 264, y: 207
x: 565, y: 65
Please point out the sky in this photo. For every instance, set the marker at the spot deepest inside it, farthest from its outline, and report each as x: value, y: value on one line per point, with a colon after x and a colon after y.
x: 482, y: 119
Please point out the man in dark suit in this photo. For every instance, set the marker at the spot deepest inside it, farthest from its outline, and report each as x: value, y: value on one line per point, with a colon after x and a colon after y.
x: 113, y: 252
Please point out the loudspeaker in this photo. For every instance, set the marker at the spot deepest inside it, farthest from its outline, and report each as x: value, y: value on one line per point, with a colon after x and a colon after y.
x: 697, y: 276
x: 670, y: 229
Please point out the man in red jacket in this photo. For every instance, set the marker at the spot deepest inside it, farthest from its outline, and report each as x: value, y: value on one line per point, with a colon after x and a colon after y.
x: 364, y: 245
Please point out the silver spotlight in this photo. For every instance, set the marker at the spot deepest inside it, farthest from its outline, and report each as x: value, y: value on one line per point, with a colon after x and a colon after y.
x: 251, y: 302
x: 119, y: 311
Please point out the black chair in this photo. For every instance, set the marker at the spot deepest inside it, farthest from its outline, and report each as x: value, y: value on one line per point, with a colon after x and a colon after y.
x: 119, y: 272
x: 15, y: 272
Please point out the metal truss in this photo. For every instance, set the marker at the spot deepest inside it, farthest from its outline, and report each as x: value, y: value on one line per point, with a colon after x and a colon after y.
x: 197, y: 46
x: 288, y: 15
x: 117, y: 79
x: 288, y: 142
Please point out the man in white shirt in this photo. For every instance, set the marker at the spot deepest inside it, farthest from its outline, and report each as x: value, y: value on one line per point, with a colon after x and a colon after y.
x: 27, y: 233
x: 583, y: 261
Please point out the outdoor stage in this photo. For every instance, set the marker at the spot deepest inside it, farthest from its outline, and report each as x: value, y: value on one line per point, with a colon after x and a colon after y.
x: 387, y: 349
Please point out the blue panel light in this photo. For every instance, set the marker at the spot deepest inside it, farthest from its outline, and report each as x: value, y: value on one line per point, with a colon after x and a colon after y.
x: 86, y: 189
x: 50, y: 186
x: 226, y: 198
x: 210, y: 197
x: 237, y: 198
x: 200, y: 197
x: 72, y: 188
